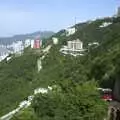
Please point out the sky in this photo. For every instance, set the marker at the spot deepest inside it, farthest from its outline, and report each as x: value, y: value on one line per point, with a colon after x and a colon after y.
x: 27, y: 16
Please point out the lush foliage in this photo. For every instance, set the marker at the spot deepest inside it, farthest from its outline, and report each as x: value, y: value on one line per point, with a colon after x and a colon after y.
x: 100, y: 64
x: 16, y: 78
x: 74, y: 102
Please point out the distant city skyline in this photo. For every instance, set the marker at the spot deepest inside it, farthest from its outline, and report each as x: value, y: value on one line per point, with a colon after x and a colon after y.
x: 26, y: 16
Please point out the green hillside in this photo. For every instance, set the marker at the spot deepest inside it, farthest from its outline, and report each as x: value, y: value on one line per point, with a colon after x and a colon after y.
x: 71, y: 74
x: 106, y: 54
x: 16, y: 78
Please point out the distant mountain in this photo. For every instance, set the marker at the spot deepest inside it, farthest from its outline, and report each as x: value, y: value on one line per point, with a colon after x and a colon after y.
x: 42, y: 34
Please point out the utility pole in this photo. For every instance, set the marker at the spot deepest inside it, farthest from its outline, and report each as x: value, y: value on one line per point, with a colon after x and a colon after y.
x: 75, y: 25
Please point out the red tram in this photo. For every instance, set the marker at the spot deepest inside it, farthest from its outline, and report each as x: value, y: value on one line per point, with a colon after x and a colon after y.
x: 106, y: 94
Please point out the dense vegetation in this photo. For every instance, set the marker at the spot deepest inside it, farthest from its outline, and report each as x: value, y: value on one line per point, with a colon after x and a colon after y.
x: 16, y: 78
x: 76, y: 102
x: 72, y: 75
x: 100, y: 63
x: 71, y: 103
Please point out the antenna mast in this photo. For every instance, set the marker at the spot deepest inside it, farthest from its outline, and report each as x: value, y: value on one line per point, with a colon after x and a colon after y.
x: 75, y: 25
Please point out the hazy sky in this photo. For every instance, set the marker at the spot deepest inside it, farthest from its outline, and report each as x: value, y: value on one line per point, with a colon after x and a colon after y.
x: 25, y: 16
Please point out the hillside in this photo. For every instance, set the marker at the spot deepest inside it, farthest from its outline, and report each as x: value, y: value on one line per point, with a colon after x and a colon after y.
x: 100, y: 64
x: 101, y: 61
x: 16, y: 78
x: 9, y: 40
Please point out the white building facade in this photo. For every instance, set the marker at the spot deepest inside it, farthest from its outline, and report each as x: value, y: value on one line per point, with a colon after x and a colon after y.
x: 70, y: 31
x: 55, y: 40
x: 32, y: 43
x: 75, y: 45
x: 74, y: 48
x: 18, y: 47
x: 93, y: 43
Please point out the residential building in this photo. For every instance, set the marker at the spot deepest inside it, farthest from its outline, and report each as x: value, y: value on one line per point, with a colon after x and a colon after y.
x: 37, y: 43
x: 18, y: 47
x: 75, y: 45
x: 27, y: 43
x: 3, y: 53
x: 74, y: 48
x: 32, y: 43
x: 55, y: 40
x: 70, y: 31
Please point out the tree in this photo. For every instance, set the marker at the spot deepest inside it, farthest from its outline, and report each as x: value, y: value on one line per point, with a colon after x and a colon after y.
x: 27, y: 114
x: 77, y: 102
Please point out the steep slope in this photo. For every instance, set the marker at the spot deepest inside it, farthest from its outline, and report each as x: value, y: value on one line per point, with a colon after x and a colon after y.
x: 91, y: 31
x: 100, y: 64
x: 16, y: 81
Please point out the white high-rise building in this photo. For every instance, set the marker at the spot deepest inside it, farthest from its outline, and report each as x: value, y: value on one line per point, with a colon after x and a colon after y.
x: 32, y: 43
x: 40, y: 43
x: 18, y: 47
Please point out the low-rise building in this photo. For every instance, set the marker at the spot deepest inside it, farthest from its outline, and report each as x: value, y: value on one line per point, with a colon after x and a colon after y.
x: 37, y: 43
x: 93, y: 43
x: 105, y: 24
x: 14, y: 48
x: 74, y: 48
x: 70, y: 31
x: 40, y: 90
x: 55, y: 40
x: 75, y: 45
